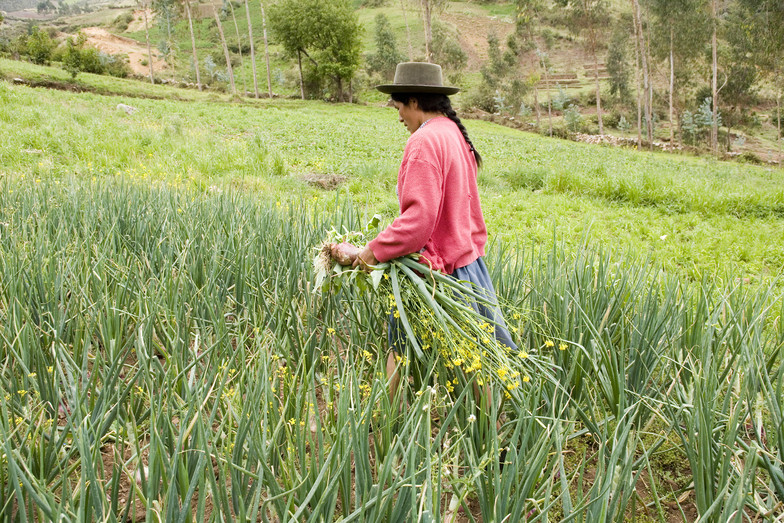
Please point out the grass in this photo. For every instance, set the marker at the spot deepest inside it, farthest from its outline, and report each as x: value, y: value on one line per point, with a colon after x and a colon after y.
x: 691, y: 216
x: 144, y: 325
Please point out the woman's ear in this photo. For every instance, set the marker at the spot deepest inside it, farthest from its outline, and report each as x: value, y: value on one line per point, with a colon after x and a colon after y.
x: 413, y: 103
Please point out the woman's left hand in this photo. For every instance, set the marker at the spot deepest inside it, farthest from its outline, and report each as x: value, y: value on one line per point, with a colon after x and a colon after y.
x: 366, y: 259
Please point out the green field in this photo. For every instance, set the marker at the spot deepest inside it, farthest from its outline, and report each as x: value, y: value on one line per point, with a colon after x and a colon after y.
x: 164, y: 356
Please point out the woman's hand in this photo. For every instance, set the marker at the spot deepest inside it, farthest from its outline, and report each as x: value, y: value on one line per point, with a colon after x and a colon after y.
x: 366, y: 259
x: 344, y: 253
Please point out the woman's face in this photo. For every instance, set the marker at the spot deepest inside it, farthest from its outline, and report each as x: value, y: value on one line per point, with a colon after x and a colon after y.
x: 409, y: 114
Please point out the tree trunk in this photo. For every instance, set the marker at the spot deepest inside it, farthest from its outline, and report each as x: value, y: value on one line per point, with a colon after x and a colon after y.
x: 549, y: 103
x: 428, y: 32
x: 225, y: 49
x: 301, y: 79
x: 252, y: 51
x: 645, y: 75
x: 536, y: 105
x: 408, y: 31
x: 637, y: 81
x: 339, y: 82
x: 714, y: 81
x: 266, y: 49
x: 193, y: 43
x: 672, y: 85
x: 239, y: 43
x: 596, y: 77
x: 147, y: 35
x: 778, y: 119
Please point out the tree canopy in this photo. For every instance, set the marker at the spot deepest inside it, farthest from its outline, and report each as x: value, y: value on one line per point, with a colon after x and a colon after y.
x: 327, y: 32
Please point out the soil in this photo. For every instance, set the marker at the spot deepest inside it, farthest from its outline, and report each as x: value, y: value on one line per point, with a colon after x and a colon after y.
x: 473, y: 33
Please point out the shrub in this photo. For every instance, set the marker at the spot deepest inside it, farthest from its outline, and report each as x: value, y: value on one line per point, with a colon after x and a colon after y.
x: 573, y: 119
x: 562, y: 99
x: 39, y: 47
x: 122, y: 22
x: 481, y: 97
x: 750, y: 157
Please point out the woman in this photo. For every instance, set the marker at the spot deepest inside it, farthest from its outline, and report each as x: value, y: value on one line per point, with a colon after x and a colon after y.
x: 440, y: 214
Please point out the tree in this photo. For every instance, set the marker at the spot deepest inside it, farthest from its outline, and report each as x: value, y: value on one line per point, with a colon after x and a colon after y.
x: 386, y: 56
x: 679, y: 31
x: 446, y: 50
x: 589, y: 18
x: 266, y: 48
x: 239, y: 42
x: 326, y: 32
x: 763, y: 20
x: 428, y: 8
x: 527, y: 12
x: 252, y: 51
x: 193, y: 43
x: 647, y: 91
x: 617, y: 62
x: 72, y: 56
x: 143, y: 5
x: 225, y: 49
x: 167, y: 11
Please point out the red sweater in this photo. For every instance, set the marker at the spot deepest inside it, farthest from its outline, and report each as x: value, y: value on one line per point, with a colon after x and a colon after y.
x: 440, y: 214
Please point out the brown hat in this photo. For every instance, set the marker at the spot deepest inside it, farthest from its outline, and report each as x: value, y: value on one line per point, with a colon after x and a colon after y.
x: 417, y: 77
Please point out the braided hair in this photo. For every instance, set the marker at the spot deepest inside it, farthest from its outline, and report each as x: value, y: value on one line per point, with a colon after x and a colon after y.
x: 438, y: 103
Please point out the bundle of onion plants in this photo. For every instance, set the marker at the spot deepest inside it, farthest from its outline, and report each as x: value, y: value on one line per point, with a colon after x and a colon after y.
x: 446, y: 338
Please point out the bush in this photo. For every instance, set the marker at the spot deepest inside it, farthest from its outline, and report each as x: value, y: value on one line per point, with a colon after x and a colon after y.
x: 39, y: 47
x: 573, y: 119
x: 750, y: 157
x: 481, y: 97
x: 122, y: 22
x: 561, y: 100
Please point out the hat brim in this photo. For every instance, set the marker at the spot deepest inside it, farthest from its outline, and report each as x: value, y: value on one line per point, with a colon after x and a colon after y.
x: 399, y: 88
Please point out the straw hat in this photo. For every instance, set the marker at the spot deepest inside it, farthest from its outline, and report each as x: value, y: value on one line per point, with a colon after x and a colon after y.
x: 417, y: 77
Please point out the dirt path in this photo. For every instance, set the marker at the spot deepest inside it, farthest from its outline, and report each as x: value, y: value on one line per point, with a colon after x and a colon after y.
x: 109, y: 43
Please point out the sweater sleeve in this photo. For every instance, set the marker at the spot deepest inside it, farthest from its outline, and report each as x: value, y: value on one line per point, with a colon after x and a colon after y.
x: 420, y: 188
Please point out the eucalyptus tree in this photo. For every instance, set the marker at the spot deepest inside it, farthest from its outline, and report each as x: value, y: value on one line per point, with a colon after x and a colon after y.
x: 679, y: 32
x: 763, y: 20
x: 590, y: 18
x: 187, y: 4
x: 252, y: 51
x: 230, y: 5
x: 642, y: 61
x: 167, y: 12
x: 266, y: 48
x: 144, y: 5
x: 428, y: 8
x: 527, y: 13
x: 226, y: 54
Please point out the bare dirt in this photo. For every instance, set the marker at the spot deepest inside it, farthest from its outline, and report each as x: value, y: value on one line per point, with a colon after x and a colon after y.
x: 109, y: 43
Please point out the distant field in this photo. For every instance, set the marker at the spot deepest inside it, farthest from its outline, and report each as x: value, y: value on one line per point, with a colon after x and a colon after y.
x: 694, y: 216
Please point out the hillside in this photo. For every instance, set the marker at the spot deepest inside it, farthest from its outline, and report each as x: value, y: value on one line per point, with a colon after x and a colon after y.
x: 681, y: 211
x: 167, y: 350
x: 563, y: 103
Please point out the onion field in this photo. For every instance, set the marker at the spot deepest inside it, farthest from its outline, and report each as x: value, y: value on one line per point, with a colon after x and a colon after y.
x: 165, y: 354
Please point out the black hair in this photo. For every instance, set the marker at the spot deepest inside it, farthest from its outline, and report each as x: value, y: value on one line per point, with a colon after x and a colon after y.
x: 438, y: 103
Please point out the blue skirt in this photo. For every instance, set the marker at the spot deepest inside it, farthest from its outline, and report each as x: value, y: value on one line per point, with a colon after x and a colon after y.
x: 474, y: 276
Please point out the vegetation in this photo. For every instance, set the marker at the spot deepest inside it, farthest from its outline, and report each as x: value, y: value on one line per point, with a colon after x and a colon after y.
x: 166, y: 354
